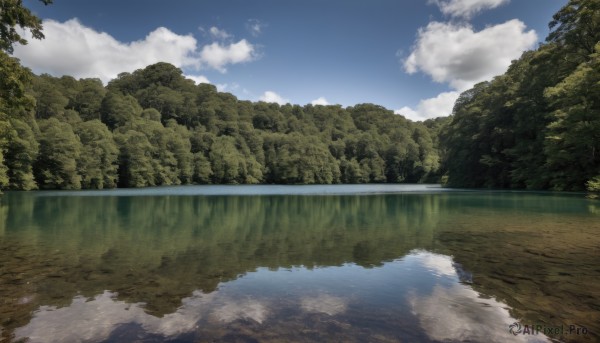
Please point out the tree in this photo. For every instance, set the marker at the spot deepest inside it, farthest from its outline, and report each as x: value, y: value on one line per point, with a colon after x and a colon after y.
x: 88, y: 99
x: 536, y: 126
x: 13, y: 77
x: 179, y: 144
x: 573, y: 141
x: 225, y: 160
x: 4, y: 132
x: 462, y: 138
x: 117, y: 109
x: 98, y: 162
x: 298, y: 159
x: 151, y: 114
x: 593, y: 187
x: 202, y: 170
x: 13, y: 14
x: 50, y: 101
x: 60, y: 149
x: 351, y: 172
x: 13, y: 85
x: 576, y: 26
x: 135, y: 163
x: 21, y: 154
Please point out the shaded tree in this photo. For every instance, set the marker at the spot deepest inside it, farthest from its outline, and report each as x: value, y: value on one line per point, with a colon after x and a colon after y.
x: 60, y: 149
x: 21, y: 154
x: 117, y: 109
x: 98, y: 162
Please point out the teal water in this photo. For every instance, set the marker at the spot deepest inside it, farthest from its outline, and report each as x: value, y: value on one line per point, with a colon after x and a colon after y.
x: 352, y: 263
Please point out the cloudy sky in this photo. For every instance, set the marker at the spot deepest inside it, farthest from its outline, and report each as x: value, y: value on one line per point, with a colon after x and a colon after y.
x: 413, y: 57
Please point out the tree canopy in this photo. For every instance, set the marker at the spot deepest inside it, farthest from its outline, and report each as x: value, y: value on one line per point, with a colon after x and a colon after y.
x: 155, y: 127
x: 538, y: 125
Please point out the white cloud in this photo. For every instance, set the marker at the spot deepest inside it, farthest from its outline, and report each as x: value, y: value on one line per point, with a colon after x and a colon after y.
x: 198, y: 78
x: 324, y: 303
x: 456, y: 54
x: 466, y: 8
x: 439, y: 106
x: 71, y: 48
x: 270, y: 96
x: 226, y: 87
x: 440, y: 265
x: 255, y: 27
x: 218, y: 56
x: 455, y: 313
x: 248, y: 309
x: 216, y: 33
x: 452, y: 312
x: 320, y: 101
x: 72, y: 323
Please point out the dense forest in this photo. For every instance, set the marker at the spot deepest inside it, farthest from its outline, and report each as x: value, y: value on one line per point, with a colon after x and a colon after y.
x: 155, y: 127
x: 535, y: 127
x: 538, y: 125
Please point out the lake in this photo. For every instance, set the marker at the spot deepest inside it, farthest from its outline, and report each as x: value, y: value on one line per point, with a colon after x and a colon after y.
x: 343, y: 263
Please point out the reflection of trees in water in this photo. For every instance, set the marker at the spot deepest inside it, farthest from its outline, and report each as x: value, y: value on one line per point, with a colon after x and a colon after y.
x: 159, y: 249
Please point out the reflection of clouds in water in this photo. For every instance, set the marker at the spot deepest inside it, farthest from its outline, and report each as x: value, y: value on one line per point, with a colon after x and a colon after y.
x: 324, y: 304
x: 184, y: 319
x: 249, y: 309
x: 440, y: 265
x: 459, y: 313
x: 94, y: 320
x: 450, y: 312
x: 81, y: 321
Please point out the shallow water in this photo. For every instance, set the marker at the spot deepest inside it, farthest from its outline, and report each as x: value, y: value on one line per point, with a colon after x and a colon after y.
x: 298, y: 263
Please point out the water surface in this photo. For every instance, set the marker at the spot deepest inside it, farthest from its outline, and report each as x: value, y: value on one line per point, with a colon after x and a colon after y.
x: 378, y: 263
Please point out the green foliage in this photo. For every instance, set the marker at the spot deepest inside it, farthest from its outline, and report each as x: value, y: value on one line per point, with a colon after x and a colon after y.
x: 98, y: 161
x: 3, y: 172
x: 4, y: 132
x: 593, y: 186
x: 13, y: 14
x: 50, y: 101
x: 573, y: 139
x: 88, y: 99
x: 14, y: 80
x: 154, y: 127
x: 577, y: 26
x: 351, y: 172
x: 296, y: 159
x: 60, y: 149
x: 227, y: 162
x: 135, y: 163
x: 202, y: 169
x: 117, y: 109
x: 536, y: 126
x: 150, y: 114
x: 21, y: 154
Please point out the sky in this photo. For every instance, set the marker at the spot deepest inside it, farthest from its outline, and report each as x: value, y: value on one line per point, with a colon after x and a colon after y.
x: 411, y: 56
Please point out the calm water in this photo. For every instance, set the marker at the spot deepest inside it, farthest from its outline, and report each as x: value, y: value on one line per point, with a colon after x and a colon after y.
x: 370, y: 263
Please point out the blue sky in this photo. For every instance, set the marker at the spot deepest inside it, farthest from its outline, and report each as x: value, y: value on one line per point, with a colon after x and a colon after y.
x: 413, y: 57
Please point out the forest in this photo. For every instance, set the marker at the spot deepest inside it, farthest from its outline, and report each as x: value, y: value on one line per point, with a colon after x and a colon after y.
x: 155, y: 127
x: 538, y: 125
x: 535, y: 127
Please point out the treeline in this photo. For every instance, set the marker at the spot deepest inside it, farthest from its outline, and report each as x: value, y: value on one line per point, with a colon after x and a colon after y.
x: 535, y: 127
x: 538, y: 125
x: 155, y: 127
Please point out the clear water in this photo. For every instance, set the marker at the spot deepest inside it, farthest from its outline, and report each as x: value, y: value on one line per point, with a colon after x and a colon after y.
x: 353, y: 263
